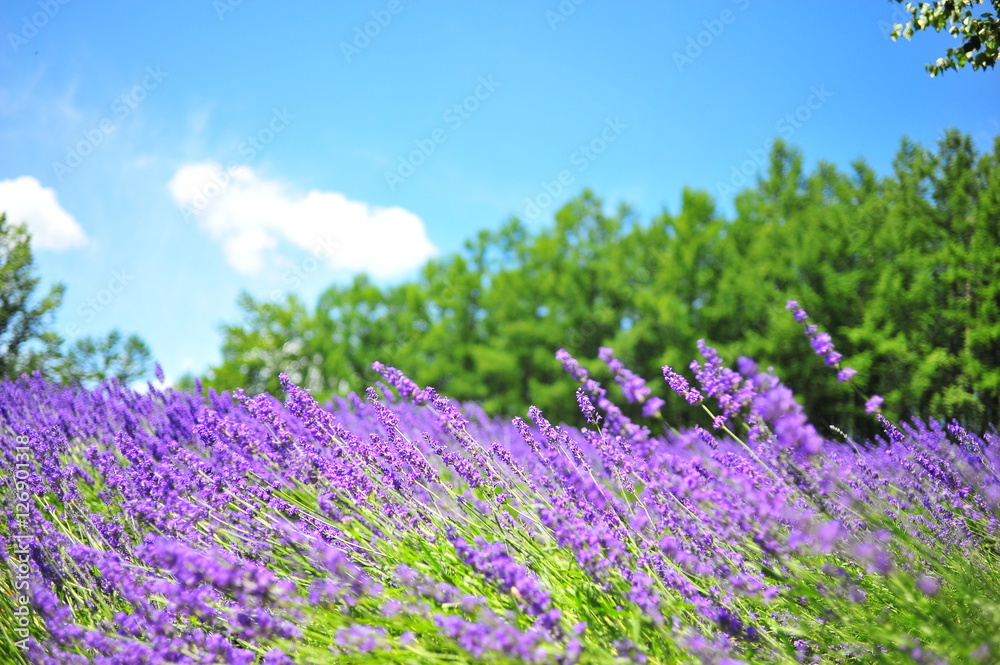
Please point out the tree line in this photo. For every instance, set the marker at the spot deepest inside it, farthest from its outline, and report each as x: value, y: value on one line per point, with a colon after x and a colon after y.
x: 903, y: 270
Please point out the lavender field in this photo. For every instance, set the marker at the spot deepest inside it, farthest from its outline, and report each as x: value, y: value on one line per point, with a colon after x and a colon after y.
x: 400, y: 527
x: 554, y: 332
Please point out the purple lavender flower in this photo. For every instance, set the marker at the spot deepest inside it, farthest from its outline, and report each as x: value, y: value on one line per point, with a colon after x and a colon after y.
x: 633, y: 386
x: 822, y: 344
x: 617, y: 422
x: 241, y: 495
x: 572, y: 365
x: 361, y: 637
x: 407, y: 388
x: 681, y: 386
x: 846, y: 374
x: 652, y: 407
x: 586, y: 407
x: 777, y: 408
x: 928, y: 585
x: 895, y: 435
x: 493, y: 561
x: 799, y: 313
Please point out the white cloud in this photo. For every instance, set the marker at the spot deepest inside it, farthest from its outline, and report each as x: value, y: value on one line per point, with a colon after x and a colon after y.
x: 51, y: 227
x: 249, y: 216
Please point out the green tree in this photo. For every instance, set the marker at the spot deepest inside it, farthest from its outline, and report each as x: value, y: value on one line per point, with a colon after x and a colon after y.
x: 902, y: 270
x: 979, y: 279
x: 26, y: 343
x: 667, y: 274
x: 91, y: 360
x: 268, y: 341
x: 980, y: 34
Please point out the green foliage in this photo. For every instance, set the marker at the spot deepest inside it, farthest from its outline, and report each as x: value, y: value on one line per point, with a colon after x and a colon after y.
x: 980, y: 35
x: 25, y: 344
x: 28, y: 344
x: 903, y: 270
x: 93, y: 359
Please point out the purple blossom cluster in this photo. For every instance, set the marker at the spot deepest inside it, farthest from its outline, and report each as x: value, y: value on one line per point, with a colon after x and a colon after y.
x: 821, y: 343
x: 732, y: 392
x: 633, y: 386
x: 205, y: 527
x: 591, y: 391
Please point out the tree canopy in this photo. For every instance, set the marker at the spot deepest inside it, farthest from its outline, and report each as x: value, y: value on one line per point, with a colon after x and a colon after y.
x: 903, y: 270
x: 27, y: 341
x: 980, y: 34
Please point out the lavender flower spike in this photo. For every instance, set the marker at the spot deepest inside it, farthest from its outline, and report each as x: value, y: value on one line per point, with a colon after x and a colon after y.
x: 681, y: 386
x: 874, y: 404
x: 821, y: 343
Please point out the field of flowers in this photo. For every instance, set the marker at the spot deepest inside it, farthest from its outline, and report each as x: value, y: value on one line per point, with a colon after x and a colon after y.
x: 172, y: 527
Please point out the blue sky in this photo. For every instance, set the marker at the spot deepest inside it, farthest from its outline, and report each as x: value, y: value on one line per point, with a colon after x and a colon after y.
x: 168, y: 155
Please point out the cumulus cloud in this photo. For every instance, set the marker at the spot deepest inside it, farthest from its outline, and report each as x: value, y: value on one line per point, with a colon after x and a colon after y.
x: 51, y: 227
x: 251, y: 216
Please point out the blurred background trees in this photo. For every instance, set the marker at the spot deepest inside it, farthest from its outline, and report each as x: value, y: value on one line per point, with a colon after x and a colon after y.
x: 27, y: 340
x: 903, y: 271
x: 90, y: 360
